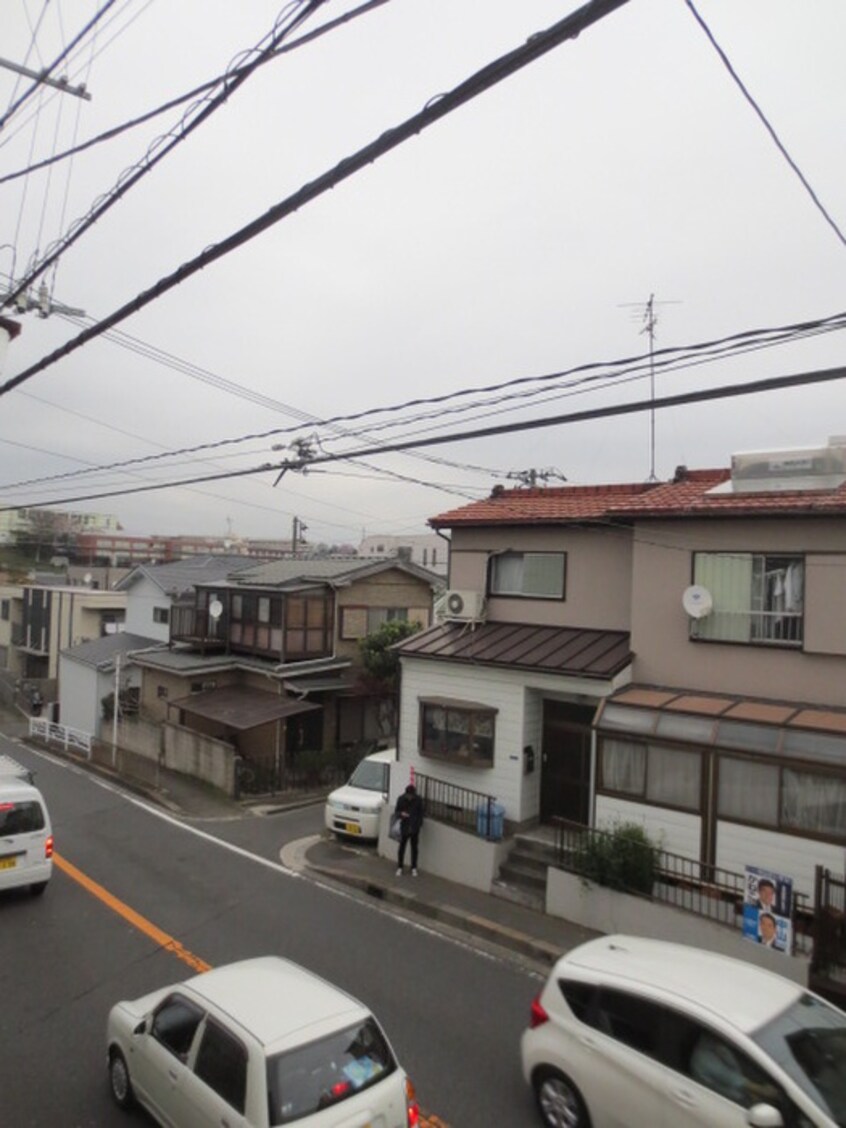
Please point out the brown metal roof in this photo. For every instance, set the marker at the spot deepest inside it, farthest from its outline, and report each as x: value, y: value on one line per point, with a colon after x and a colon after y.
x: 239, y: 707
x: 553, y: 650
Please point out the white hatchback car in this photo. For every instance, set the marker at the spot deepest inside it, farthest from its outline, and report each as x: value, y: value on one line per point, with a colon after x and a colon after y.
x: 257, y: 1044
x: 26, y: 836
x: 636, y: 1033
x: 355, y: 808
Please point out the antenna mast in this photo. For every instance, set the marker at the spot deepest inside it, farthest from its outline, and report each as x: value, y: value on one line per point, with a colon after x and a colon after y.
x: 649, y: 319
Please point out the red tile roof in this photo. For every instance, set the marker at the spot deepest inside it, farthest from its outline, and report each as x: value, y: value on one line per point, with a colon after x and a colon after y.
x: 689, y: 496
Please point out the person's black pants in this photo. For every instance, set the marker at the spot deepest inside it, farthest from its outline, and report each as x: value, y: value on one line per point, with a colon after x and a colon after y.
x: 404, y: 840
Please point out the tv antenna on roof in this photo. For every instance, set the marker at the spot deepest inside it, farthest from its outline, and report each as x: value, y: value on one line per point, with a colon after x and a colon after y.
x: 649, y: 319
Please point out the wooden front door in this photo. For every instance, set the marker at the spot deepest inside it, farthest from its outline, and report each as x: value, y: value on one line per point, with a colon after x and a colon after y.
x: 565, y: 762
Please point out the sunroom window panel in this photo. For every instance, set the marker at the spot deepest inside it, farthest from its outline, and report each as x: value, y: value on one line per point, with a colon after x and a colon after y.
x: 748, y: 791
x: 815, y: 803
x: 623, y: 766
x: 674, y: 777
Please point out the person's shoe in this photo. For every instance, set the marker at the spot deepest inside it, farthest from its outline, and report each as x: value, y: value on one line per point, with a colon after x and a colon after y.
x: 399, y: 871
x: 414, y: 873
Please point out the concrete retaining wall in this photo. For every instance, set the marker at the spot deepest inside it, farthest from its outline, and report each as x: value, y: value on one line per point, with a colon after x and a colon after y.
x: 607, y: 910
x: 194, y: 754
x: 450, y: 853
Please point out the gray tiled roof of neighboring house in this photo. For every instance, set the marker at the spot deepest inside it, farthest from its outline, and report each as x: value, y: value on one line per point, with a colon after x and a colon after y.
x: 181, y: 576
x: 339, y: 570
x: 102, y: 651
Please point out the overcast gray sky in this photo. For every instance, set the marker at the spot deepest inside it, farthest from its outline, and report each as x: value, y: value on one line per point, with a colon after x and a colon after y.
x: 514, y: 238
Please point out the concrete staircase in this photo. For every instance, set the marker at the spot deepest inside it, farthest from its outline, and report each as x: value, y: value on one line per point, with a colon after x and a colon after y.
x: 522, y: 877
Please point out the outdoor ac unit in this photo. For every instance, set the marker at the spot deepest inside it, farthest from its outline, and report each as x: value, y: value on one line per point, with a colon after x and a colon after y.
x: 464, y: 605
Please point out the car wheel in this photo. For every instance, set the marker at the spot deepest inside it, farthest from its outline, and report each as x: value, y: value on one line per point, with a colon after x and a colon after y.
x: 559, y: 1101
x: 119, y: 1081
x: 37, y: 889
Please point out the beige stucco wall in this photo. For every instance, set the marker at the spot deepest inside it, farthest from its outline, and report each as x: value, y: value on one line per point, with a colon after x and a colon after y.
x: 664, y: 654
x: 388, y: 589
x: 154, y: 708
x: 598, y: 576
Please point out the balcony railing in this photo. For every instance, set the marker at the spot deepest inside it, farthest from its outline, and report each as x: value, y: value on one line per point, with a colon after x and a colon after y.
x: 776, y: 628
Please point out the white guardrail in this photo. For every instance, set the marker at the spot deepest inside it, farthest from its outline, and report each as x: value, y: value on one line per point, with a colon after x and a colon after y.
x: 62, y: 734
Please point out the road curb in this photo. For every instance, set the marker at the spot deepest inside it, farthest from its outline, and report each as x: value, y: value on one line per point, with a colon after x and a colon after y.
x: 520, y: 942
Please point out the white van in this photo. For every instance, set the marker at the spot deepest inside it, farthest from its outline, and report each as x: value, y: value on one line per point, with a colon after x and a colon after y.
x: 26, y: 836
x: 354, y: 809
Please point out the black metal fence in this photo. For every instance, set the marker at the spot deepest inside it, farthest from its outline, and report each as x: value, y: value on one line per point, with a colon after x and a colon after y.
x: 304, y: 771
x: 829, y: 960
x: 461, y: 807
x: 635, y: 865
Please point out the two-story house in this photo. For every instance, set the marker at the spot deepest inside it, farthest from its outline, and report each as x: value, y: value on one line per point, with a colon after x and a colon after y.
x: 669, y: 653
x: 92, y: 672
x: 265, y: 662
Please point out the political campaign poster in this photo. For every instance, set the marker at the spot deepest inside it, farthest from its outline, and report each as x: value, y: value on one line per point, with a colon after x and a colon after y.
x: 768, y: 908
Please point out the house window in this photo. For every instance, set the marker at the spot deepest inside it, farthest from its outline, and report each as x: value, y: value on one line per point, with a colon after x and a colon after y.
x: 307, y: 627
x: 5, y: 612
x: 457, y: 731
x: 787, y: 799
x: 757, y: 598
x: 539, y: 575
x: 161, y: 691
x: 358, y: 622
x: 652, y: 773
x: 161, y: 615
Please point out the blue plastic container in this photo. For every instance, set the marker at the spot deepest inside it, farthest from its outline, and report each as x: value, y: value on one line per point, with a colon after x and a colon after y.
x: 489, y: 820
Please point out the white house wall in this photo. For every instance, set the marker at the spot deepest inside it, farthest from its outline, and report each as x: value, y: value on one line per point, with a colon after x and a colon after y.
x: 141, y: 599
x: 741, y: 846
x: 674, y: 831
x: 79, y: 700
x: 517, y: 696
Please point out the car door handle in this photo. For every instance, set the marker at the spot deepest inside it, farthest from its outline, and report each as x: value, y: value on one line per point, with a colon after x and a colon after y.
x: 173, y: 1074
x: 684, y: 1097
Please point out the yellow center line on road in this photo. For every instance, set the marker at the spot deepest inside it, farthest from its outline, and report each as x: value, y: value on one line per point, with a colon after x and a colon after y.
x: 122, y: 909
x: 158, y: 936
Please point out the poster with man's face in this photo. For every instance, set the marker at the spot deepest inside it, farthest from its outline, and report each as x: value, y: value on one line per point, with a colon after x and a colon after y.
x: 767, y: 908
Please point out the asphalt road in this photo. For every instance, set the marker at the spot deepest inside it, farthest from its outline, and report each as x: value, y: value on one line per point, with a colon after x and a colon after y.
x: 454, y: 1014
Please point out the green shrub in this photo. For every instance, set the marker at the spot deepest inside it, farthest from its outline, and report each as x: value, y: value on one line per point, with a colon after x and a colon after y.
x: 625, y: 858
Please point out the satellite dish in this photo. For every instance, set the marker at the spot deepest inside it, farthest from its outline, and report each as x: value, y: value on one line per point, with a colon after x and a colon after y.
x: 215, y: 608
x: 697, y: 601
x: 87, y: 578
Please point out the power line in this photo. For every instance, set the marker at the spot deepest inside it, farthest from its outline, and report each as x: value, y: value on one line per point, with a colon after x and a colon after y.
x: 670, y: 358
x: 774, y: 383
x: 536, y: 47
x: 193, y: 118
x: 116, y: 131
x: 779, y: 145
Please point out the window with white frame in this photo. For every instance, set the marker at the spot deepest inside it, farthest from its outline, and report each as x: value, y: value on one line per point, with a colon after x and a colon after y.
x: 757, y: 597
x: 538, y: 575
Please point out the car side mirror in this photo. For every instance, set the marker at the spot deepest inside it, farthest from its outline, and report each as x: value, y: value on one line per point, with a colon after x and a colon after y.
x: 764, y: 1116
x: 141, y: 1028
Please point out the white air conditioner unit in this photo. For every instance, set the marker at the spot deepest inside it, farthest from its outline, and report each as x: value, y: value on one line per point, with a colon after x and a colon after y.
x: 464, y: 605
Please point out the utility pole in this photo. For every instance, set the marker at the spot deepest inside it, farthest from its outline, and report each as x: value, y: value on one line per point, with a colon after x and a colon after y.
x: 115, y: 711
x: 297, y: 536
x: 649, y: 320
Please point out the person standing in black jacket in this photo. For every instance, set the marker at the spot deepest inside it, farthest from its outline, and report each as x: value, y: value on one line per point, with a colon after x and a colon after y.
x: 409, y: 811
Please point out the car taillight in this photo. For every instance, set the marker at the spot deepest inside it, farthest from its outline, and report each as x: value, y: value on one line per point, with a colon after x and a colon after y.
x: 48, y: 846
x: 537, y: 1015
x: 411, y: 1106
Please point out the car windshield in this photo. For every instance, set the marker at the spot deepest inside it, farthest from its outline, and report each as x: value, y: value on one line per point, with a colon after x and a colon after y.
x: 371, y: 775
x: 808, y: 1041
x: 326, y: 1072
